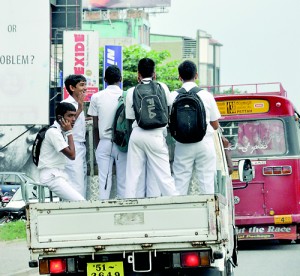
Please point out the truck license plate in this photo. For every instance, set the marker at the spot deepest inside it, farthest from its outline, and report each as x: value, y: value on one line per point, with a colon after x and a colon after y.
x: 105, y: 269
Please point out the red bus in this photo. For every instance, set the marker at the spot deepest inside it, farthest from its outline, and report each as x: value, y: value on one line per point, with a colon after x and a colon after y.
x: 262, y: 124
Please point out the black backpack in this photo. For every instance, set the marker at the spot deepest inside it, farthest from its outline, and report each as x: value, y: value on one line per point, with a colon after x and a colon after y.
x: 121, y: 126
x: 36, y: 147
x: 150, y: 105
x: 187, y: 121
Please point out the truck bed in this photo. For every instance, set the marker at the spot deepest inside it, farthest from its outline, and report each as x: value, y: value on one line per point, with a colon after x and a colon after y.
x: 162, y: 223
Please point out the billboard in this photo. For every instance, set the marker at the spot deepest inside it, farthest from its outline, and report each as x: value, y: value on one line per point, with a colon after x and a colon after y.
x: 24, y: 62
x: 81, y: 57
x: 112, y: 56
x: 124, y: 4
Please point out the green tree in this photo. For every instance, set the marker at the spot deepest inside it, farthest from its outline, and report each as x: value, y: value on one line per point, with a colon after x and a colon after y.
x: 165, y: 71
x: 229, y: 91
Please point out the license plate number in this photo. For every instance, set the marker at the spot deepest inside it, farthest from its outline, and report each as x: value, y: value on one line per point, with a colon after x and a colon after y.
x: 105, y: 269
x: 284, y: 219
x: 235, y: 175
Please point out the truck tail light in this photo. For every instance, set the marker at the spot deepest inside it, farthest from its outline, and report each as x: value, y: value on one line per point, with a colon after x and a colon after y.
x: 57, y: 266
x: 190, y: 259
x: 277, y: 170
x: 194, y: 259
x: 53, y: 266
x: 44, y: 266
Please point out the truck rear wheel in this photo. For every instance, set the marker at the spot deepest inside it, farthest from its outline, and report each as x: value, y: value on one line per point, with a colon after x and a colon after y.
x: 228, y: 269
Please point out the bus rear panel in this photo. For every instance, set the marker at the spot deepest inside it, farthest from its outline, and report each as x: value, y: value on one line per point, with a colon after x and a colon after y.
x: 264, y: 127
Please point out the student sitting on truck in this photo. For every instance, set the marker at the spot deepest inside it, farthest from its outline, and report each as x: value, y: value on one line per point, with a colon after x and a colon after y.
x: 57, y: 145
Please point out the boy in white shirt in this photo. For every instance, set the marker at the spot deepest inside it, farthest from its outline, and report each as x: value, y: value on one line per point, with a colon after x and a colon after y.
x: 200, y: 155
x: 77, y: 169
x: 148, y: 170
x: 103, y: 107
x: 56, y: 146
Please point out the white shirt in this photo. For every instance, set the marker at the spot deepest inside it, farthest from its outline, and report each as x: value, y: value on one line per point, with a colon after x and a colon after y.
x: 79, y: 129
x: 129, y: 100
x: 53, y: 143
x: 104, y: 105
x: 211, y: 108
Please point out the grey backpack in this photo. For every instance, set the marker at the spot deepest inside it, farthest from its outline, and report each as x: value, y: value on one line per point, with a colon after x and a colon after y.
x: 150, y: 105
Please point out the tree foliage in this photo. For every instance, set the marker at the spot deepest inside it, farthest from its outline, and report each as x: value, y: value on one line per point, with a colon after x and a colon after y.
x: 165, y: 71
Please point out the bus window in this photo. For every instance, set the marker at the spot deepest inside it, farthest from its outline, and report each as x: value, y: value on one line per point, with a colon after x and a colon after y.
x: 255, y: 138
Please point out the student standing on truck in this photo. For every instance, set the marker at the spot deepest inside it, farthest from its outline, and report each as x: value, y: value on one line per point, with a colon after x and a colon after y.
x: 103, y: 107
x: 77, y: 169
x: 201, y: 155
x: 56, y: 146
x: 147, y: 155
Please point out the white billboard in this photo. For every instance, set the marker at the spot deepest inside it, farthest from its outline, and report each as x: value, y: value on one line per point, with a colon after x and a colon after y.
x: 24, y: 62
x: 81, y: 57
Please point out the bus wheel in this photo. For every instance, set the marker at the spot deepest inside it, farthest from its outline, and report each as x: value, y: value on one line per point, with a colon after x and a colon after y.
x: 284, y: 241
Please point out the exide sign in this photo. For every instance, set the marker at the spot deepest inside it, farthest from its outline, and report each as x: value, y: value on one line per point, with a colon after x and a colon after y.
x: 81, y: 57
x: 79, y: 54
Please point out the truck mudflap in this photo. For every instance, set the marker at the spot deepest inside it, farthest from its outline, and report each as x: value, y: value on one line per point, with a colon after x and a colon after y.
x: 118, y: 225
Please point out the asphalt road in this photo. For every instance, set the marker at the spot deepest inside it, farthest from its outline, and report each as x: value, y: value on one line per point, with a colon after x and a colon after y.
x: 255, y: 258
x: 268, y: 258
x: 14, y: 256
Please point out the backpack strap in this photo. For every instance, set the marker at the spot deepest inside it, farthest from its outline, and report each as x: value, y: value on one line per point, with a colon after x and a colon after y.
x: 124, y: 94
x: 181, y: 90
x: 195, y: 89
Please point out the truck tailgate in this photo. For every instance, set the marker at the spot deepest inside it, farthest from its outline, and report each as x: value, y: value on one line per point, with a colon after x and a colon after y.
x: 162, y: 221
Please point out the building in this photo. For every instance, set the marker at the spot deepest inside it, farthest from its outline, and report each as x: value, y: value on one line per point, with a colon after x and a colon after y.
x: 127, y: 23
x: 123, y: 27
x: 203, y: 50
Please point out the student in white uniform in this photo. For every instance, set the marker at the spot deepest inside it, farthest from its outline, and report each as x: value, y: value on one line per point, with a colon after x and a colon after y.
x: 147, y: 156
x: 77, y: 169
x: 201, y: 155
x: 103, y: 107
x: 56, y: 146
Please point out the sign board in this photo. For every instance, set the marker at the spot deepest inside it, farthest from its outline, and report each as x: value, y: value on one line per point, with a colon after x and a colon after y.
x: 265, y: 232
x: 124, y: 4
x: 112, y: 56
x: 238, y: 107
x: 81, y: 57
x: 24, y: 62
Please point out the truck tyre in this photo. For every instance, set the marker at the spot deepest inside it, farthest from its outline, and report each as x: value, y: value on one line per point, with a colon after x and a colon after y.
x: 228, y: 269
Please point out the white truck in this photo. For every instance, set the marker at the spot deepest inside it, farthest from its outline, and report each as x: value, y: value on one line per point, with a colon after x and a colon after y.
x: 180, y: 235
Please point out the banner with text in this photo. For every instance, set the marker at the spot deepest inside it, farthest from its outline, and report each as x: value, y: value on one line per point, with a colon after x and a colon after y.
x: 266, y: 232
x: 124, y: 4
x: 81, y: 57
x: 24, y: 62
x: 112, y: 56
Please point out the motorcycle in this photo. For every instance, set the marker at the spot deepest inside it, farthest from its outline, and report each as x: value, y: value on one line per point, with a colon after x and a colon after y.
x: 6, y: 197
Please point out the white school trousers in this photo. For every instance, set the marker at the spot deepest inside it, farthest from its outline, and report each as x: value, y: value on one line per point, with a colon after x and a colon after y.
x: 106, y: 154
x: 58, y: 182
x: 145, y: 189
x: 77, y: 169
x: 148, y: 155
x: 202, y: 155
